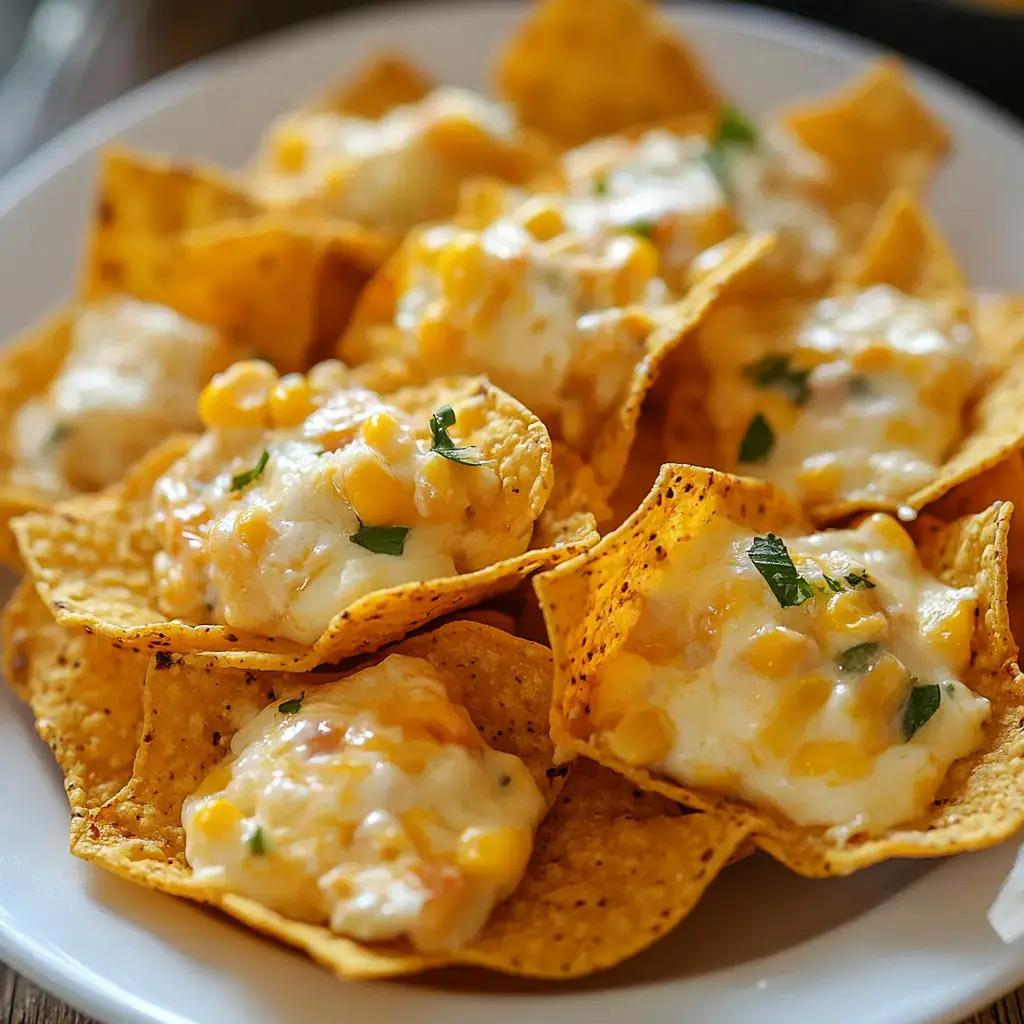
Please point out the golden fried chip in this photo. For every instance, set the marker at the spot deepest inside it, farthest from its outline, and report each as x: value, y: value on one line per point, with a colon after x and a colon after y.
x: 85, y: 694
x: 591, y: 604
x: 386, y: 81
x: 570, y: 915
x: 999, y: 323
x: 92, y: 557
x: 555, y: 69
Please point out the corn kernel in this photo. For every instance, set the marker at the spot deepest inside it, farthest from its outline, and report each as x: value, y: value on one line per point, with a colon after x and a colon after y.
x: 440, y: 488
x: 950, y: 635
x: 873, y: 357
x: 481, y: 202
x: 383, y: 432
x: 499, y: 853
x: 848, y: 611
x: 798, y: 705
x: 542, y: 220
x: 291, y: 148
x: 217, y: 780
x: 621, y: 685
x: 893, y: 535
x: 459, y: 139
x: 637, y: 322
x: 819, y: 481
x: 290, y: 401
x: 327, y: 376
x: 639, y: 266
x: 643, y: 735
x: 217, y: 819
x: 238, y: 397
x: 902, y: 431
x: 418, y: 823
x: 376, y: 496
x: 254, y: 527
x: 461, y: 269
x: 438, y: 338
x: 439, y: 721
x: 846, y: 761
x: 878, y: 694
x: 777, y: 652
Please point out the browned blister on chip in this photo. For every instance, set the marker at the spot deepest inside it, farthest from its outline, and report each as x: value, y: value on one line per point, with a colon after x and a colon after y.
x: 571, y: 915
x: 384, y: 82
x: 92, y: 557
x: 592, y: 603
x: 555, y: 69
x: 86, y: 696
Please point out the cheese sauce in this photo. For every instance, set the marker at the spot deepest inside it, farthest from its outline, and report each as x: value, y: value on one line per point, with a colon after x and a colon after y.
x: 864, y: 399
x: 370, y: 805
x: 844, y: 711
x: 131, y: 378
x: 349, y: 499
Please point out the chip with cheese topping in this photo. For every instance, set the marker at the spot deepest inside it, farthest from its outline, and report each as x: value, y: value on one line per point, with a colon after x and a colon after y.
x: 853, y: 692
x: 314, y: 520
x: 383, y: 858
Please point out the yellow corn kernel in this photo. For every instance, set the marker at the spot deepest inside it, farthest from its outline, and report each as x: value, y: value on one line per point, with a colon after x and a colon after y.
x: 643, y: 735
x: 847, y: 611
x: 481, y: 202
x: 639, y: 266
x: 238, y: 397
x: 950, y: 635
x: 637, y: 322
x: 799, y: 704
x: 383, y: 432
x: 542, y: 220
x: 438, y: 338
x: 441, y: 487
x: 217, y: 819
x: 621, y: 685
x: 291, y: 149
x: 846, y: 761
x: 376, y: 496
x: 873, y: 356
x: 780, y: 412
x: 777, y: 652
x: 820, y: 482
x: 217, y: 780
x: 497, y: 853
x: 878, y: 695
x: 440, y: 721
x: 461, y: 269
x: 327, y: 377
x: 291, y: 401
x: 254, y: 527
x: 903, y: 431
x: 470, y: 415
x: 459, y: 139
x: 892, y: 534
x: 418, y: 823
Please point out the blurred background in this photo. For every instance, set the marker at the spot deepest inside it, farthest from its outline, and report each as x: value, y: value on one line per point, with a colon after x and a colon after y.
x: 61, y: 58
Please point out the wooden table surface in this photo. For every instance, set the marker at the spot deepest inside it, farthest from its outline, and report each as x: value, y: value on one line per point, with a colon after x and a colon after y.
x: 22, y: 1003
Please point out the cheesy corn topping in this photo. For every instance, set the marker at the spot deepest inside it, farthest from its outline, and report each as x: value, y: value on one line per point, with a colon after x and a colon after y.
x: 834, y: 695
x: 863, y: 401
x: 370, y: 805
x: 306, y: 494
x: 131, y: 378
x: 391, y: 173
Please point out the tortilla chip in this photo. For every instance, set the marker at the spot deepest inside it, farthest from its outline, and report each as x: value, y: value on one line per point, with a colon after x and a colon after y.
x: 876, y: 135
x: 567, y: 918
x: 999, y: 324
x: 386, y: 81
x: 91, y: 557
x: 605, y: 442
x: 554, y: 70
x: 591, y: 603
x: 85, y: 694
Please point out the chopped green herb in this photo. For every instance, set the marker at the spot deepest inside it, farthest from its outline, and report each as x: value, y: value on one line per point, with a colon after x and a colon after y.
x: 640, y: 226
x: 60, y: 433
x: 601, y: 185
x: 922, y: 703
x: 772, y: 560
x: 859, y: 658
x: 859, y: 580
x: 859, y: 387
x: 774, y: 371
x: 758, y: 441
x: 291, y: 707
x: 950, y: 687
x: 443, y: 445
x: 242, y: 480
x: 382, y: 540
x: 834, y: 585
x: 735, y: 129
x: 257, y: 844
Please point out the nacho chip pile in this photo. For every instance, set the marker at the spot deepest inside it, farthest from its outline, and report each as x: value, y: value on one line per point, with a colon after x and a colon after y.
x: 356, y: 414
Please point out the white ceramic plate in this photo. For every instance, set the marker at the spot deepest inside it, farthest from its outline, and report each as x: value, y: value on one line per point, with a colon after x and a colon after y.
x: 900, y: 944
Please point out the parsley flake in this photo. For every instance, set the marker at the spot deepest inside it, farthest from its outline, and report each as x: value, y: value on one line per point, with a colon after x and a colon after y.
x: 774, y: 371
x: 381, y: 540
x: 291, y: 707
x: 242, y: 480
x: 735, y: 129
x: 834, y: 585
x: 758, y: 441
x: 642, y: 227
x: 443, y: 445
x: 60, y: 433
x: 601, y: 185
x: 922, y: 703
x: 859, y: 580
x: 256, y: 843
x: 859, y: 658
x: 772, y: 560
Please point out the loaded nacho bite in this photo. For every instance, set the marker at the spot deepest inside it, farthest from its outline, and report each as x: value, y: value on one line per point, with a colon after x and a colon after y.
x: 843, y: 686
x: 387, y: 821
x: 313, y: 520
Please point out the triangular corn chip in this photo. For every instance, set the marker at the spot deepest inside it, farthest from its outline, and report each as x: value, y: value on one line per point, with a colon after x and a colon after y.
x: 384, y: 82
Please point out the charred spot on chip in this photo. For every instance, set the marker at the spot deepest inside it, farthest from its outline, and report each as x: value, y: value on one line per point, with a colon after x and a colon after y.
x: 163, y: 660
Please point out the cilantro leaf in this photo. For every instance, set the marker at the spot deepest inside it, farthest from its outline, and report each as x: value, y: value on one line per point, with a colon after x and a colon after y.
x: 735, y: 128
x: 642, y: 227
x: 256, y: 842
x: 290, y: 707
x: 834, y: 585
x: 443, y: 445
x: 858, y: 386
x: 922, y: 703
x: 758, y: 441
x: 772, y: 560
x: 601, y: 185
x: 858, y: 658
x: 242, y: 480
x: 60, y: 433
x: 859, y: 580
x: 381, y: 540
x: 774, y: 371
